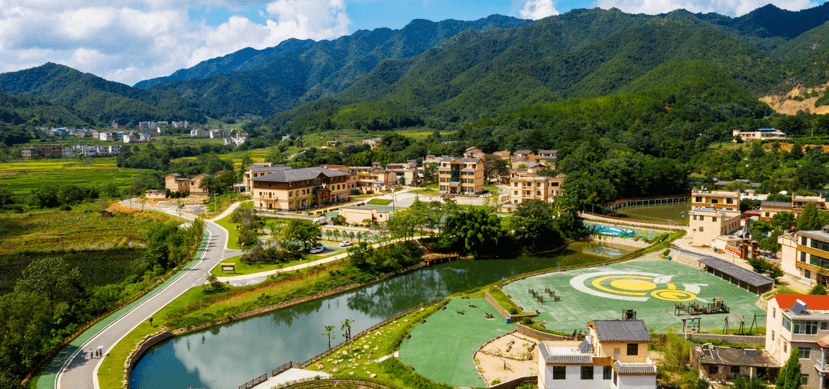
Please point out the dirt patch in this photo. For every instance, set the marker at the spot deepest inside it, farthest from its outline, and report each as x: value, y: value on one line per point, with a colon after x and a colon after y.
x: 495, y: 363
x: 788, y: 105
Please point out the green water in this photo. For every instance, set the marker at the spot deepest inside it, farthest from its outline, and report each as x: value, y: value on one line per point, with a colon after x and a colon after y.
x: 230, y: 355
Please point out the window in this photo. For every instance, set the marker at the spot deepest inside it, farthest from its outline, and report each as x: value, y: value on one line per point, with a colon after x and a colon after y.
x: 804, y: 379
x: 714, y: 218
x: 614, y: 378
x: 803, y: 240
x: 823, y: 325
x: 807, y: 274
x: 559, y: 372
x: 729, y: 201
x: 735, y: 370
x: 804, y: 352
x: 607, y: 372
x: 713, y: 201
x: 713, y: 369
x: 699, y: 199
x: 802, y: 256
x: 633, y: 348
x: 700, y: 228
x: 805, y: 327
x: 785, y: 347
x: 774, y: 313
x: 587, y: 372
x: 787, y: 323
x: 772, y: 335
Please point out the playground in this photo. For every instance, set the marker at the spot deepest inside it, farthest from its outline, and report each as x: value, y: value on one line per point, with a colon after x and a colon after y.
x: 660, y: 292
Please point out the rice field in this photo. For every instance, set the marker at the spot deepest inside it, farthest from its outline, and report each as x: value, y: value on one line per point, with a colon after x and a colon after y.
x: 21, y: 177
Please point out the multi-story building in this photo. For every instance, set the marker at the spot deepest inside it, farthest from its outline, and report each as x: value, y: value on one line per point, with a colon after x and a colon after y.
x: 800, y: 202
x: 372, y: 179
x: 260, y: 169
x: 536, y: 187
x: 715, y: 199
x: 42, y: 151
x: 548, y: 157
x: 614, y: 355
x: 709, y: 223
x: 800, y: 323
x: 758, y: 134
x: 176, y: 183
x: 407, y: 171
x: 805, y: 255
x: 461, y: 175
x: 292, y: 189
x: 770, y: 208
x: 473, y: 152
x: 198, y: 133
x: 503, y: 154
x: 67, y: 152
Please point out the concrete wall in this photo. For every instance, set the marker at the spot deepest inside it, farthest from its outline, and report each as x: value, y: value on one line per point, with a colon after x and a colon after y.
x: 637, y: 382
x: 573, y: 379
x: 524, y: 330
x: 139, y: 350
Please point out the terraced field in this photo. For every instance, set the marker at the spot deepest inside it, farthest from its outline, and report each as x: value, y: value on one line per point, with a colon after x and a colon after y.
x: 22, y: 177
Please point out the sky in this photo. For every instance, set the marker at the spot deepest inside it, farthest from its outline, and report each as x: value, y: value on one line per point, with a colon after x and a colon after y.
x: 133, y: 40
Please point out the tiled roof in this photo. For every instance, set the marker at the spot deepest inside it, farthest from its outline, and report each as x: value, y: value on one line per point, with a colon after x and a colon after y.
x: 781, y: 204
x: 293, y: 175
x: 621, y: 331
x: 260, y: 169
x: 634, y: 368
x: 450, y: 159
x: 737, y: 272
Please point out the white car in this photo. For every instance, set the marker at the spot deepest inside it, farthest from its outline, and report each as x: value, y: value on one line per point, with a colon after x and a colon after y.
x: 345, y: 243
x: 317, y: 249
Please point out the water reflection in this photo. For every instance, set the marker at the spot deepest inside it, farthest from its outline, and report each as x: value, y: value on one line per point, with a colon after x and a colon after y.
x: 229, y: 355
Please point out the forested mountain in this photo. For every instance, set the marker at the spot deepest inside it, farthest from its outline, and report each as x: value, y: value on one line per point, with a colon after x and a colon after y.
x: 586, y: 53
x: 295, y: 71
x: 95, y: 100
x: 19, y: 116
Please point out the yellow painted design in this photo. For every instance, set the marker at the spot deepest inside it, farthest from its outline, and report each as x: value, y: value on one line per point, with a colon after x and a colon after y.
x: 597, y: 283
x: 632, y: 285
x: 673, y: 295
x: 671, y: 286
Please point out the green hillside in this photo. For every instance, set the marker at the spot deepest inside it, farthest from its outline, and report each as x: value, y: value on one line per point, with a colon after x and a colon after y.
x: 96, y: 100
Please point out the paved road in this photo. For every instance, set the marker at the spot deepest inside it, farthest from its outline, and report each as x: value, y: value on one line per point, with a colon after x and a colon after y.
x: 80, y: 371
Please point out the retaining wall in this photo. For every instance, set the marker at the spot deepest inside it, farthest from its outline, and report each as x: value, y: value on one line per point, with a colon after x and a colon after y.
x: 739, y: 339
x: 533, y: 333
x: 510, y: 318
x: 514, y: 383
x: 139, y: 350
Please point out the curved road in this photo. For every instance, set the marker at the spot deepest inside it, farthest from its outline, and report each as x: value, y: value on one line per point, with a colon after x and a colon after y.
x: 80, y: 371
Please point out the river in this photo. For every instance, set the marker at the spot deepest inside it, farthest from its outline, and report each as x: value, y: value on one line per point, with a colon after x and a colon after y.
x: 229, y: 355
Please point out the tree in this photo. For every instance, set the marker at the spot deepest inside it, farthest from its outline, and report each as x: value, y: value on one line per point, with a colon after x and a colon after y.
x: 534, y: 226
x: 346, y: 328
x: 818, y: 289
x: 746, y: 383
x: 808, y: 220
x: 789, y: 377
x: 476, y: 230
x: 328, y: 332
x: 25, y: 334
x: 775, y: 272
x: 783, y: 220
x: 52, y: 278
x: 494, y: 166
x: 302, y: 231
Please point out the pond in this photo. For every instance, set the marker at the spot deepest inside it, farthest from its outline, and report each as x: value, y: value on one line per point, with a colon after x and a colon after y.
x: 229, y: 355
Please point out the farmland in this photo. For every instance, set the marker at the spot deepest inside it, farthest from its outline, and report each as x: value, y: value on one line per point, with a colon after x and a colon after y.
x: 21, y: 177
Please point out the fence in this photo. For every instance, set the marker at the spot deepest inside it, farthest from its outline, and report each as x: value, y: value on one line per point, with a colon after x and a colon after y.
x: 313, y: 383
x: 256, y: 381
x: 646, y: 201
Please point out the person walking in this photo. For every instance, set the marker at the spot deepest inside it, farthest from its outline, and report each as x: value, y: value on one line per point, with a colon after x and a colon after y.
x: 90, y: 353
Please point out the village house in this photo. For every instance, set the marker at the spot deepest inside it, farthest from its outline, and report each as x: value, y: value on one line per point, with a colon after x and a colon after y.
x: 709, y: 223
x: 805, y: 255
x: 290, y: 189
x: 406, y: 171
x: 535, y: 187
x: 715, y: 199
x: 800, y: 323
x: 614, y: 355
x: 473, y: 152
x: 758, y: 134
x: 363, y: 215
x: 374, y: 178
x: 460, y: 175
x: 174, y: 182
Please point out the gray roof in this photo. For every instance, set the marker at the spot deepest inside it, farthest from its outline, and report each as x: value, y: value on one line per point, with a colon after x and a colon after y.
x: 293, y: 175
x: 259, y: 169
x: 548, y: 151
x: 621, y: 331
x: 634, y: 368
x: 573, y: 358
x: 522, y: 151
x: 781, y: 204
x: 733, y: 356
x: 449, y: 159
x: 739, y: 273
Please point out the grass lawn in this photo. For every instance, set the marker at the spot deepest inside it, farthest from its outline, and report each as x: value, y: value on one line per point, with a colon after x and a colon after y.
x: 359, y: 361
x: 21, y: 177
x: 659, y: 213
x: 380, y: 201
x: 243, y: 268
x: 443, y: 347
x: 424, y: 191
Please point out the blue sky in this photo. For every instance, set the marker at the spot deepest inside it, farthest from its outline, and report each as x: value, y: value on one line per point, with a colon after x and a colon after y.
x: 132, y: 40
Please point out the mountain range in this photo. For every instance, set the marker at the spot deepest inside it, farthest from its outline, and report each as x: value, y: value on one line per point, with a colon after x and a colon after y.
x: 454, y: 71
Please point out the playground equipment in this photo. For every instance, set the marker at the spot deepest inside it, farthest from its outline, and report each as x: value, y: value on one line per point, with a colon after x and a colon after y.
x: 717, y: 306
x: 628, y: 314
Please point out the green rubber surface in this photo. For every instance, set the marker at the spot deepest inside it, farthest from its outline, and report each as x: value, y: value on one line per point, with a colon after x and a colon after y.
x: 660, y: 283
x: 443, y: 348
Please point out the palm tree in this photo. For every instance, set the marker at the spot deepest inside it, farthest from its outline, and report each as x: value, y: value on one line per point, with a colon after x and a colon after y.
x: 346, y: 327
x: 329, y: 332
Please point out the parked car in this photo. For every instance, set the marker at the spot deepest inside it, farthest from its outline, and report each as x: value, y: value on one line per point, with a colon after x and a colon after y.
x: 317, y: 249
x: 345, y: 243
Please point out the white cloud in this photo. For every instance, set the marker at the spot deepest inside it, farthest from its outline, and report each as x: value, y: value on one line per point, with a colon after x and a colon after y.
x: 132, y: 40
x: 538, y: 9
x: 724, y: 7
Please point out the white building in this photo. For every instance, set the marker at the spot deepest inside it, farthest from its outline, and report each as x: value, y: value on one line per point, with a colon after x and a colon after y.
x: 614, y: 355
x: 800, y: 322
